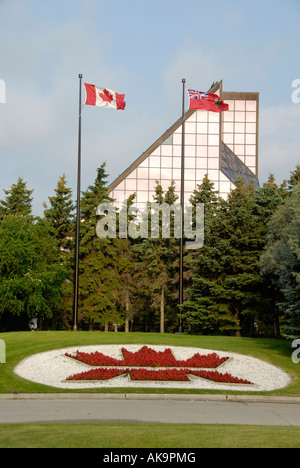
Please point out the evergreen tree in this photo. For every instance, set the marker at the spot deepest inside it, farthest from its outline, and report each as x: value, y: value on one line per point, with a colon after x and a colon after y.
x: 127, y: 297
x: 59, y: 216
x: 99, y: 278
x: 280, y: 262
x: 157, y: 256
x: 226, y: 286
x: 18, y: 200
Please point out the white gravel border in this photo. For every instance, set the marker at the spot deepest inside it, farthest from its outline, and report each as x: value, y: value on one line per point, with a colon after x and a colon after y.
x: 51, y: 368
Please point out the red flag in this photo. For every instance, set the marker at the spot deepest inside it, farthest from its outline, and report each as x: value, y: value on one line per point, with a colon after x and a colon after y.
x: 103, y: 97
x: 206, y: 101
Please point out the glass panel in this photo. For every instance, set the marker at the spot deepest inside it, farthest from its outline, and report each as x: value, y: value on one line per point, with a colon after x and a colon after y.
x: 239, y: 149
x: 189, y: 174
x: 176, y: 150
x: 213, y: 128
x: 250, y: 139
x: 154, y: 161
x: 189, y: 163
x: 250, y: 127
x: 228, y: 127
x: 131, y: 184
x: 201, y: 139
x: 213, y: 163
x: 189, y: 186
x: 190, y: 151
x: 239, y: 138
x: 166, y: 174
x: 214, y: 117
x: 201, y: 163
x: 176, y: 162
x: 202, y: 116
x: 228, y: 116
x: 202, y: 151
x: 250, y: 116
x: 190, y: 139
x: 239, y: 127
x: 251, y: 105
x: 240, y: 105
x: 142, y: 173
x: 166, y: 150
x: 166, y: 161
x: 176, y: 139
x: 251, y: 150
x: 154, y: 173
x: 142, y: 197
x: 213, y: 140
x: 190, y: 127
x: 228, y: 138
x: 250, y: 161
x: 142, y: 184
x: 176, y: 174
x: 213, y: 175
x: 224, y: 186
x: 200, y: 173
x: 240, y: 116
x: 213, y: 151
x: 202, y: 127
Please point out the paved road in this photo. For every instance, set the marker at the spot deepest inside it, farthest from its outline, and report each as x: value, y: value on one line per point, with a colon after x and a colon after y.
x: 155, y: 410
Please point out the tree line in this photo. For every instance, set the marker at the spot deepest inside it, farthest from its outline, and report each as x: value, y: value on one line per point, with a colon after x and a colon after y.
x: 243, y: 281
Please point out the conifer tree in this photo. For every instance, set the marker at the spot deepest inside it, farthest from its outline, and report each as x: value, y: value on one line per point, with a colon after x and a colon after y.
x: 60, y: 218
x: 18, y: 200
x: 98, y: 278
x: 156, y: 257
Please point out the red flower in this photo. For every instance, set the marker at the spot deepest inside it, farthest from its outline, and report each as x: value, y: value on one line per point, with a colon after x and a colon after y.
x: 147, y: 357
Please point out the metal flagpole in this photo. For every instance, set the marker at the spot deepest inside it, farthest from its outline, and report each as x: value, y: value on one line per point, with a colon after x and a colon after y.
x: 78, y: 214
x: 182, y: 205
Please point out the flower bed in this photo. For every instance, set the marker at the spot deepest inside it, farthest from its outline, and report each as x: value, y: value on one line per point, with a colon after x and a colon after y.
x: 157, y: 375
x: 148, y: 357
x: 173, y: 369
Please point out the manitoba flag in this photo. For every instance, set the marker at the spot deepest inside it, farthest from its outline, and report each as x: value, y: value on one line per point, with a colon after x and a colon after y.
x: 103, y: 97
x: 206, y: 101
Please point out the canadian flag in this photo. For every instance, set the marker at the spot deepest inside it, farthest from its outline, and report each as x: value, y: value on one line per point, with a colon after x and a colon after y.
x: 103, y: 97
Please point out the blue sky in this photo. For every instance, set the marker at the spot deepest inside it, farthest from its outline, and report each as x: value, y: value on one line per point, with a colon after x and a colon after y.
x: 142, y: 48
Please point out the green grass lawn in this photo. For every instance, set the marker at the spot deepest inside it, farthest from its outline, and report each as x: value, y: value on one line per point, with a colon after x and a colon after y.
x: 20, y: 345
x: 135, y: 436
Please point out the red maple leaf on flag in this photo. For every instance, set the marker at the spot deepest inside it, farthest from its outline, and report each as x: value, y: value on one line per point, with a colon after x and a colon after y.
x: 106, y: 96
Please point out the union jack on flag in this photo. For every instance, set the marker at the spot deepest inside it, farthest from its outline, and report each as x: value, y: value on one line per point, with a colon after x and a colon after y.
x: 197, y: 94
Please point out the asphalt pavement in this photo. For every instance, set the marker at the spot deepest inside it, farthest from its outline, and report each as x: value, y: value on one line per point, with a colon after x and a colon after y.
x: 150, y: 408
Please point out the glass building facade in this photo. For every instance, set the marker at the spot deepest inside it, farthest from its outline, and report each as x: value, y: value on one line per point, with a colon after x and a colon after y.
x: 222, y: 145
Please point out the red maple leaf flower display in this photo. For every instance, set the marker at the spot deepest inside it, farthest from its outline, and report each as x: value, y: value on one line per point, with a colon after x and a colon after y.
x: 106, y: 96
x: 136, y: 366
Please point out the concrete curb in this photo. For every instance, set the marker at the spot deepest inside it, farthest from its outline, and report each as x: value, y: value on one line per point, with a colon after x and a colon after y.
x: 150, y: 396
